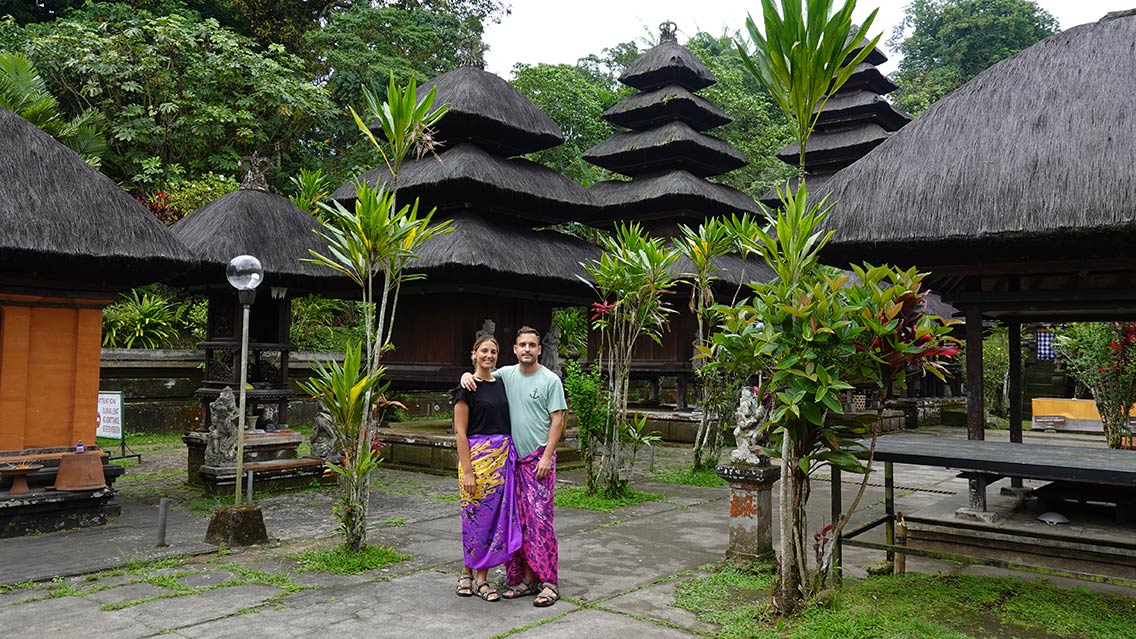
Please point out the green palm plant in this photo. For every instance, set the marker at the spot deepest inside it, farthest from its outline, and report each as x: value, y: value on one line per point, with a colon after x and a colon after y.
x: 142, y: 320
x: 312, y: 187
x: 24, y: 92
x: 701, y: 247
x: 805, y: 56
x: 631, y: 276
x: 372, y: 244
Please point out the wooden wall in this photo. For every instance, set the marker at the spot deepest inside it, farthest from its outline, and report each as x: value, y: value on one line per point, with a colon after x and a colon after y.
x: 49, y: 370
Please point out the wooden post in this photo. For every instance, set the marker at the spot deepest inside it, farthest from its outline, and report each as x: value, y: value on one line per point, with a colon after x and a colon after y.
x: 1015, y: 389
x: 975, y: 410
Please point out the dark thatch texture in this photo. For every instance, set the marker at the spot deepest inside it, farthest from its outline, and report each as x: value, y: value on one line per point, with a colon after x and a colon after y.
x: 467, y: 175
x: 267, y: 226
x: 1037, y: 150
x: 815, y: 183
x: 673, y: 145
x: 488, y: 111
x: 61, y: 220
x: 733, y: 273
x: 860, y: 106
x: 644, y: 111
x: 667, y: 63
x: 838, y: 146
x: 676, y: 194
x: 868, y: 78
x: 488, y: 253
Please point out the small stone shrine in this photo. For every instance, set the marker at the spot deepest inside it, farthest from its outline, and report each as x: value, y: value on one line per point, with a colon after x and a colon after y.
x: 751, y: 478
x: 256, y: 222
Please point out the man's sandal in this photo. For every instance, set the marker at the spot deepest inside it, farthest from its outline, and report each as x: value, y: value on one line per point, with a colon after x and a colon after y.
x: 542, y: 600
x: 523, y: 589
x: 465, y: 586
x: 487, y: 592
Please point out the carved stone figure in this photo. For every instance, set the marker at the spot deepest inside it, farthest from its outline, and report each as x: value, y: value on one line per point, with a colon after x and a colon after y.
x: 323, y: 438
x: 488, y: 329
x: 222, y: 447
x: 550, y: 350
x: 751, y: 416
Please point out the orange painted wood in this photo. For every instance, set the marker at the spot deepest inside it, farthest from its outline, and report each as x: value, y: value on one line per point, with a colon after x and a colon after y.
x: 14, y: 352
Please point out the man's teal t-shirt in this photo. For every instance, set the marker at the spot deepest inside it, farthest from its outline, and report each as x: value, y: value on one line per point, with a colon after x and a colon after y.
x: 532, y: 399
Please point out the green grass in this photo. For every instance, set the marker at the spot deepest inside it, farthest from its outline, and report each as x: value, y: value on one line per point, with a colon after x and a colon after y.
x: 913, y: 605
x: 394, y: 521
x: 341, y: 561
x: 578, y: 497
x: 692, y: 477
x: 140, y: 439
x: 446, y: 498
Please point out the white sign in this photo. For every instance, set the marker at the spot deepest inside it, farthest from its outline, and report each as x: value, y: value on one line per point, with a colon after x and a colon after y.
x: 109, y: 415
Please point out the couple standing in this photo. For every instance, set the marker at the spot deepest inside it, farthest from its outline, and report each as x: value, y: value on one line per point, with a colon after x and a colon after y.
x: 507, y: 424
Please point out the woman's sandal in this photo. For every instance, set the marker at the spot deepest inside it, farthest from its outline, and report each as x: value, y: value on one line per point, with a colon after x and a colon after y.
x: 542, y: 600
x: 523, y: 589
x: 465, y: 586
x: 486, y: 591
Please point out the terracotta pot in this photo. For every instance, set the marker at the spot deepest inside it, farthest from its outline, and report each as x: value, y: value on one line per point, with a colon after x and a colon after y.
x: 79, y: 472
x: 19, y: 475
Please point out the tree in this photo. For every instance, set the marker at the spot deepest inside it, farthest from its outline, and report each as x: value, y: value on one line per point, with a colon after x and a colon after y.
x: 574, y: 98
x: 182, y: 97
x: 945, y: 43
x: 24, y: 92
x: 1102, y: 356
x: 372, y: 243
x: 630, y: 277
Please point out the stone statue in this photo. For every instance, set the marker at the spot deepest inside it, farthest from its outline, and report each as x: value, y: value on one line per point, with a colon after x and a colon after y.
x: 488, y: 329
x: 550, y: 350
x: 751, y: 416
x: 323, y: 439
x: 222, y: 447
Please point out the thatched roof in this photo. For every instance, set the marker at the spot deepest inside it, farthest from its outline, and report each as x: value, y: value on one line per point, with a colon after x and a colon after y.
x: 488, y: 253
x: 673, y: 194
x: 733, y: 272
x: 860, y: 106
x: 837, y: 146
x: 673, y: 145
x: 644, y: 111
x: 667, y: 63
x: 467, y: 175
x: 262, y: 224
x: 1028, y: 158
x: 868, y: 78
x: 61, y: 220
x: 488, y: 111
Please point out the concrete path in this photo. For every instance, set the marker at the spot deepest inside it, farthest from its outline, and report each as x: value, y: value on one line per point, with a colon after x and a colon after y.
x: 618, y: 571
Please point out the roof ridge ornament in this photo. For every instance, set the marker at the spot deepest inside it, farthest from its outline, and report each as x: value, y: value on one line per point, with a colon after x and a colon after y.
x: 667, y: 31
x: 255, y: 168
x: 471, y: 53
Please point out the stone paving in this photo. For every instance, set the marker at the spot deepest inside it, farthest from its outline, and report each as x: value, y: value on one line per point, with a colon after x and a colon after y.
x: 618, y: 570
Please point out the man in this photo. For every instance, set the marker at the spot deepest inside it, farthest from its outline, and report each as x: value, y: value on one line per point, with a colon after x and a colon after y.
x: 537, y: 410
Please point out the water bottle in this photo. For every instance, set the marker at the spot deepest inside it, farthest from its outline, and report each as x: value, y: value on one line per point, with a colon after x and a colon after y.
x: 80, y: 447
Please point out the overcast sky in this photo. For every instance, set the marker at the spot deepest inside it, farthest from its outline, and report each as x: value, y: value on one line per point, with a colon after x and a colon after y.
x: 562, y: 31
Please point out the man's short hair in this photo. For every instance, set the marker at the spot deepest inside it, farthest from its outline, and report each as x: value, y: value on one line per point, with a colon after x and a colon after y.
x: 527, y: 330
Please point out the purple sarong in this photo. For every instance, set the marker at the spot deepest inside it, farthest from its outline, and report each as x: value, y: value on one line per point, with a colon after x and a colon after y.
x: 538, y: 537
x: 491, y: 532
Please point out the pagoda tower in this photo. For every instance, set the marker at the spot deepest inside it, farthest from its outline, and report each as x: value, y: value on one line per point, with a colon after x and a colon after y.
x: 495, y: 272
x: 855, y: 120
x: 665, y: 150
x: 668, y: 156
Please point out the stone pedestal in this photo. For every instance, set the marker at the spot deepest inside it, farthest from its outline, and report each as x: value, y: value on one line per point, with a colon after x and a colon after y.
x: 751, y: 510
x: 271, y: 457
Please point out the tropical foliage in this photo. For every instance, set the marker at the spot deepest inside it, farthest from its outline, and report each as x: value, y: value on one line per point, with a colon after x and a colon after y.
x: 1102, y: 356
x: 631, y: 277
x: 945, y: 43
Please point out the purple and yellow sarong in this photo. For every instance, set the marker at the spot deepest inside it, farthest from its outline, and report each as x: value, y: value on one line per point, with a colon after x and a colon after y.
x: 491, y: 530
x: 539, y: 550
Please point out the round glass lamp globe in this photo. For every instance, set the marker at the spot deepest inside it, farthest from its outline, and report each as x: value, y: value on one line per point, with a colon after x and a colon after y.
x: 244, y: 272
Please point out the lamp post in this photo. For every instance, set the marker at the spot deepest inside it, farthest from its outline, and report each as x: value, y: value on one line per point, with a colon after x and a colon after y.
x: 244, y: 274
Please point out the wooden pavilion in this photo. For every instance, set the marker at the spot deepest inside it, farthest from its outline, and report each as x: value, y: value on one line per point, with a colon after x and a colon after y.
x: 496, y: 270
x: 70, y: 240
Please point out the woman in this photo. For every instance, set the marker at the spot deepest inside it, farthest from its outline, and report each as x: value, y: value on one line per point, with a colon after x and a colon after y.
x: 491, y: 530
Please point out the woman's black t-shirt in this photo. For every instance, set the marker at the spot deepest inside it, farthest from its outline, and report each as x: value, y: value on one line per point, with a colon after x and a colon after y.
x: 488, y: 408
